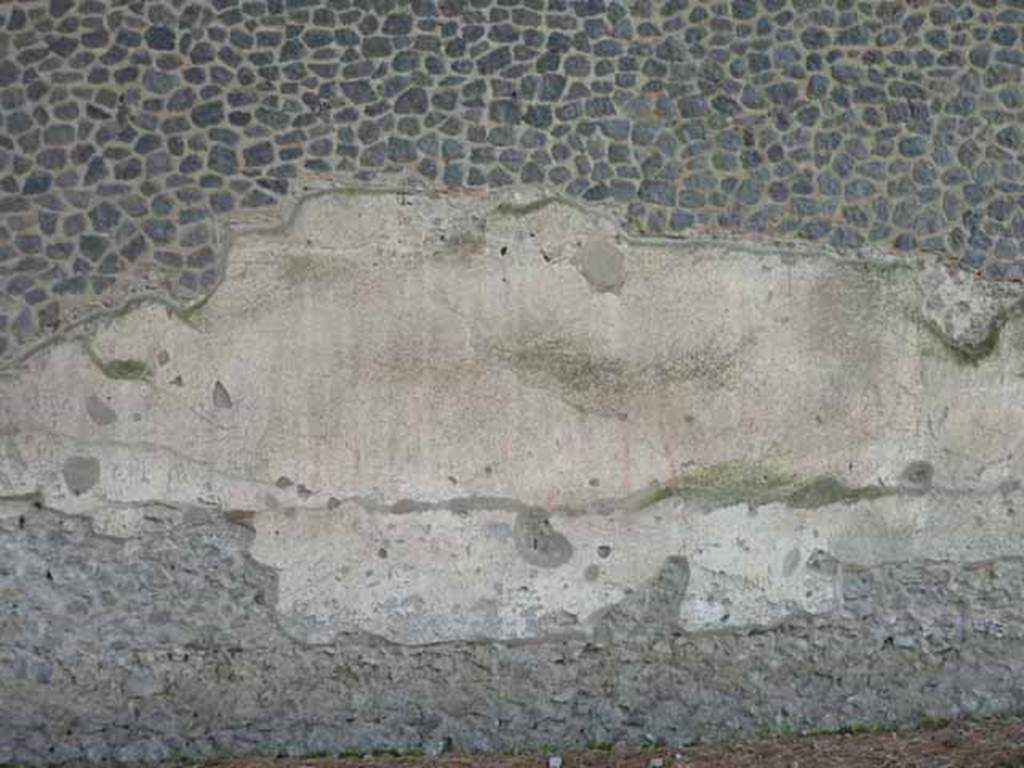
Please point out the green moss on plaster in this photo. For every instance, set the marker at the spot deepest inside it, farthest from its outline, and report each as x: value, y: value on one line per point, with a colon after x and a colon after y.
x: 122, y: 369
x: 466, y: 242
x: 722, y: 485
x: 190, y: 314
x: 525, y: 209
x: 822, y: 491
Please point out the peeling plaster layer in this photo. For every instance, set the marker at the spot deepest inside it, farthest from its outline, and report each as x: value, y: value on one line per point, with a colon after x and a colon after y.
x: 458, y: 425
x: 469, y: 575
x: 464, y: 361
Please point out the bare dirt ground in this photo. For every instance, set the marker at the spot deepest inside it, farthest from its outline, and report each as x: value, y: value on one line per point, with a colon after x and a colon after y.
x: 992, y: 743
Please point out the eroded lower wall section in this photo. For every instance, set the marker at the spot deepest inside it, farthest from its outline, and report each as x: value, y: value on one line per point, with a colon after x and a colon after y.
x: 488, y: 471
x: 166, y: 643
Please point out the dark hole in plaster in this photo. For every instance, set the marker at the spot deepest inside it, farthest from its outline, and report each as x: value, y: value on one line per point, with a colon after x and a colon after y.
x: 602, y: 265
x: 919, y: 473
x: 221, y: 398
x: 81, y: 473
x: 101, y: 414
x: 538, y: 542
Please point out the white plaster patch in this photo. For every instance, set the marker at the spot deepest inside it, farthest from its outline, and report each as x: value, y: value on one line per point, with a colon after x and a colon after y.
x: 414, y: 350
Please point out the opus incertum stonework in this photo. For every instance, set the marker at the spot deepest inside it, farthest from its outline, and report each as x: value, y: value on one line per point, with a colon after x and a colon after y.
x: 131, y: 130
x: 415, y: 374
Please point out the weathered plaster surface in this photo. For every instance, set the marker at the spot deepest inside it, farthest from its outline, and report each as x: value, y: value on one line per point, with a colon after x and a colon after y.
x: 487, y: 468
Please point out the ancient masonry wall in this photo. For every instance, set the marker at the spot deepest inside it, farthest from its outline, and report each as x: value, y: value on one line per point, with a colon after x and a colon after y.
x: 483, y: 373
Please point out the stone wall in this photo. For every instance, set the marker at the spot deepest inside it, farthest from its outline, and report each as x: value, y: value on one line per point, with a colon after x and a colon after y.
x: 132, y: 131
x: 491, y: 471
x: 489, y: 374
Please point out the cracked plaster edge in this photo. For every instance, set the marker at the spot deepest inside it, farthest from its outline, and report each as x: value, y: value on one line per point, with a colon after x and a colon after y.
x: 230, y: 231
x: 590, y: 626
x: 798, y: 491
